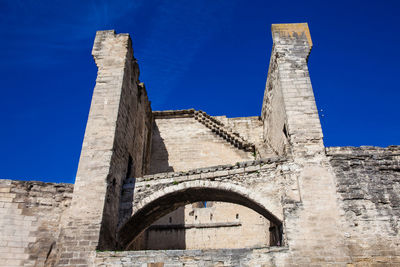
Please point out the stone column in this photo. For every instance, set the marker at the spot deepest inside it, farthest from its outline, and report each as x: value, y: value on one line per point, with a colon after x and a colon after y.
x: 313, y: 227
x: 116, y: 133
x: 289, y: 111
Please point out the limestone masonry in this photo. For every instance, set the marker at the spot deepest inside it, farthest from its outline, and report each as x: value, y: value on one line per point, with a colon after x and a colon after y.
x: 184, y: 188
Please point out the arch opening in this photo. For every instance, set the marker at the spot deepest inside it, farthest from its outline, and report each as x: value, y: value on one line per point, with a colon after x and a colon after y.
x: 164, y: 209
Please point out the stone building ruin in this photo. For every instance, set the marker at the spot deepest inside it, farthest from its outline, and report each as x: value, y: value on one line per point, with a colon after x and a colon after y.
x: 184, y: 188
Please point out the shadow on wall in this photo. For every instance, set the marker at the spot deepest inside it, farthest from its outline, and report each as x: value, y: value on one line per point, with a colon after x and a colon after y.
x: 127, y: 191
x: 159, y: 154
x: 168, y: 232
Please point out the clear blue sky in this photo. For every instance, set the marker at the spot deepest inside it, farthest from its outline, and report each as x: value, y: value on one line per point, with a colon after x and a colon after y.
x: 209, y: 55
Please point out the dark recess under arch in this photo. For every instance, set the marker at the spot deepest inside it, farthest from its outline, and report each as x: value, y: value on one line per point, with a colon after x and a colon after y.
x: 156, y: 209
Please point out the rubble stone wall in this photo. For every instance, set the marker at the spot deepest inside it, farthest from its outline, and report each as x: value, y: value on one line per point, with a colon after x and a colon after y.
x: 368, y: 188
x: 30, y: 216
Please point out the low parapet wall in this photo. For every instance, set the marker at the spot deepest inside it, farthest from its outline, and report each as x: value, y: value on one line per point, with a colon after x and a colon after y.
x: 271, y: 256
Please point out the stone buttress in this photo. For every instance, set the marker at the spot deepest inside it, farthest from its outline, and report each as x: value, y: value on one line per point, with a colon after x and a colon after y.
x: 116, y: 145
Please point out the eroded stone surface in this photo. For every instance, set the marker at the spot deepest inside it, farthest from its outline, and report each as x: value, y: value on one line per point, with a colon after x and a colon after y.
x: 368, y: 186
x: 31, y: 214
x: 331, y: 206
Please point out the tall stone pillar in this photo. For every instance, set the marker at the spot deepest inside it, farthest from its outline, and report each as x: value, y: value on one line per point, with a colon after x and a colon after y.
x: 115, y: 146
x: 289, y: 111
x: 313, y: 223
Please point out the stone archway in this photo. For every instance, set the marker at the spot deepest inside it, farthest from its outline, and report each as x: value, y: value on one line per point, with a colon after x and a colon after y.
x: 163, y: 201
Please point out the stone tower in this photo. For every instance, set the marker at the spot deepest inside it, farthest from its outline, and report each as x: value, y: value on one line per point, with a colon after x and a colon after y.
x: 183, y: 188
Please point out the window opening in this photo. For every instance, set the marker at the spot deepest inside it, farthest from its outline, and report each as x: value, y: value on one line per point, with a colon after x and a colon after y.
x: 129, y: 170
x: 284, y: 130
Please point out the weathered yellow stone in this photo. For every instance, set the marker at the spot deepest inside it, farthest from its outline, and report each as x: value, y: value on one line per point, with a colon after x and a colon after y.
x: 291, y: 29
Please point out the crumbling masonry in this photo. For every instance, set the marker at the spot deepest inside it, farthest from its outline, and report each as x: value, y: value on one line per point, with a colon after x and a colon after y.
x: 183, y: 188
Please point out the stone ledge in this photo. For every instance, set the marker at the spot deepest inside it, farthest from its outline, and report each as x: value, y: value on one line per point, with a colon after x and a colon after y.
x: 36, y: 185
x: 166, y: 114
x: 189, y: 252
x: 362, y: 151
x: 239, y: 167
x: 198, y: 225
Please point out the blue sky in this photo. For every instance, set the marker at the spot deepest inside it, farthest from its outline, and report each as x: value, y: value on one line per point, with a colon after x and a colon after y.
x: 209, y: 55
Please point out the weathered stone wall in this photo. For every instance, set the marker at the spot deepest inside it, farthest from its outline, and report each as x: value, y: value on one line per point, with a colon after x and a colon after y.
x: 368, y: 187
x: 307, y: 198
x: 273, y: 110
x: 336, y: 206
x: 263, y: 186
x: 182, y: 144
x: 30, y: 215
x: 181, y: 141
x: 208, y: 258
x: 251, y: 128
x: 218, y: 225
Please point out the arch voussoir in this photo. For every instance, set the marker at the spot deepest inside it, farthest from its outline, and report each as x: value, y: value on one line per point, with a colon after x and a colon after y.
x: 172, y: 195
